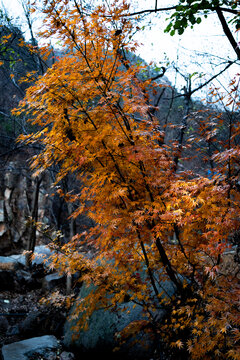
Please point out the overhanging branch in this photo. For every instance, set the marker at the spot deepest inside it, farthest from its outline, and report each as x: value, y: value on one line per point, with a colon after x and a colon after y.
x: 169, y: 8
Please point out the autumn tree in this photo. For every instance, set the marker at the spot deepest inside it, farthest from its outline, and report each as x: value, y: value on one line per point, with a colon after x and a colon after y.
x: 97, y: 121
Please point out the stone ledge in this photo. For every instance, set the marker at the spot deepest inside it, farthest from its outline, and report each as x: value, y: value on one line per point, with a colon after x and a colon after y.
x: 22, y: 349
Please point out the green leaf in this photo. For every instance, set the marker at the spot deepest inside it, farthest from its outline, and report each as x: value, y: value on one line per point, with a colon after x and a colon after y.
x: 192, y: 19
x: 180, y: 31
x: 179, y: 8
x: 193, y: 74
x: 168, y: 28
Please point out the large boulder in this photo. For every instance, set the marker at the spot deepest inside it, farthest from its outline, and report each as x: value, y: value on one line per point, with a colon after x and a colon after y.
x: 41, y: 256
x: 104, y: 325
x: 23, y: 350
x: 9, y: 263
x: 43, y: 322
x: 18, y: 261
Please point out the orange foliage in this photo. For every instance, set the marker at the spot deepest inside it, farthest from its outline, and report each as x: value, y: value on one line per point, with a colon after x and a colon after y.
x: 96, y: 121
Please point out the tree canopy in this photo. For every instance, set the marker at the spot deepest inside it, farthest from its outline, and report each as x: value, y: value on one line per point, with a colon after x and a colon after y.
x: 154, y: 221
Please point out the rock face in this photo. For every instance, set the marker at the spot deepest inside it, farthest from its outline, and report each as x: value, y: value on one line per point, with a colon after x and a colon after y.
x: 17, y: 193
x: 103, y: 326
x: 22, y: 350
x: 16, y: 202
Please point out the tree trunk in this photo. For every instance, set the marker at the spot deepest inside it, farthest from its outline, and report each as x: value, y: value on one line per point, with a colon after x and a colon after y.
x: 34, y: 219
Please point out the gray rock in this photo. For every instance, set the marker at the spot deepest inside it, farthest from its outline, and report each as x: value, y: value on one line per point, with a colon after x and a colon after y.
x: 1, y: 210
x: 17, y: 188
x: 104, y: 325
x: 22, y: 350
x: 19, y: 259
x: 11, y: 176
x: 41, y: 255
x: 67, y: 356
x: 3, y: 231
x: 52, y: 280
x: 51, y: 356
x: 23, y: 275
x: 100, y: 333
x: 7, y: 262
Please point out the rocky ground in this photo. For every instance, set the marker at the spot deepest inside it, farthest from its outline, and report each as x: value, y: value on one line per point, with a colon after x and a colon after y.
x: 14, y: 309
x: 23, y: 314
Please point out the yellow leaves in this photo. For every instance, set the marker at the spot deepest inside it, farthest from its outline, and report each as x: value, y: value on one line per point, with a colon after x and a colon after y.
x: 236, y: 334
x: 6, y: 38
x: 196, y: 332
x: 179, y: 344
x: 223, y: 330
x: 233, y: 354
x: 95, y: 123
x: 168, y: 207
x: 58, y: 300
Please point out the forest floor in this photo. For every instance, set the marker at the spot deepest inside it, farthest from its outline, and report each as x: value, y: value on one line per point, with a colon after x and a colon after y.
x: 23, y: 316
x: 15, y: 307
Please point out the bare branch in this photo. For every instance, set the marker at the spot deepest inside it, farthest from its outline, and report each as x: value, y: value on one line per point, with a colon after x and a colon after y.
x: 149, y: 11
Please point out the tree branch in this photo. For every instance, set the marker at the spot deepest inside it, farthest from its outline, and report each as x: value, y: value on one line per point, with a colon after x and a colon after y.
x: 228, y: 32
x: 208, y: 81
x: 149, y: 11
x: 212, y: 78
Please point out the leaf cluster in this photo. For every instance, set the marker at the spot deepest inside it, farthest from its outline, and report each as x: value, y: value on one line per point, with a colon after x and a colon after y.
x: 190, y: 12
